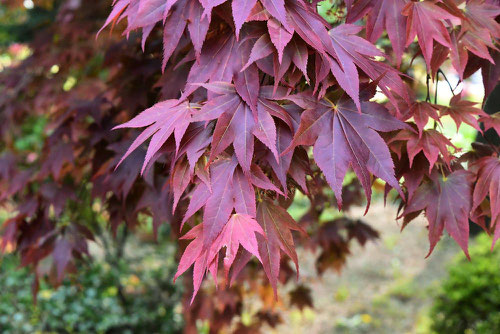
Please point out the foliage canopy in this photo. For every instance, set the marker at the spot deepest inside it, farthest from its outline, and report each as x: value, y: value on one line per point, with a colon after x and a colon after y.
x: 230, y: 110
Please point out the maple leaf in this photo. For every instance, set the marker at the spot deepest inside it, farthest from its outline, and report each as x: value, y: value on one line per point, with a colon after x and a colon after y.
x: 281, y: 165
x: 299, y: 55
x: 180, y: 180
x: 238, y: 230
x: 356, y: 9
x: 478, y: 28
x: 243, y: 194
x: 172, y: 31
x: 115, y: 15
x: 60, y: 154
x: 235, y: 127
x: 303, y: 21
x: 350, y: 51
x: 382, y: 15
x: 236, y: 124
x: 259, y: 179
x: 219, y: 61
x: 247, y: 85
x: 413, y: 174
x: 144, y: 13
x: 425, y: 20
x: 430, y: 142
x: 220, y: 203
x: 447, y: 201
x: 442, y: 53
x: 197, y: 25
x: 462, y: 111
x: 263, y: 47
x: 241, y: 230
x: 488, y: 184
x: 301, y: 297
x: 62, y: 256
x: 121, y: 179
x: 481, y: 15
x: 265, y: 129
x: 279, y: 36
x: 492, y: 122
x: 477, y: 41
x: 388, y: 14
x: 194, y: 143
x: 258, y: 13
x: 72, y: 241
x: 194, y: 254
x: 334, y: 246
x: 361, y: 231
x: 162, y: 120
x: 277, y: 225
x: 277, y: 9
x: 421, y: 112
x: 342, y: 137
x: 229, y: 189
x: 237, y: 188
x: 241, y: 11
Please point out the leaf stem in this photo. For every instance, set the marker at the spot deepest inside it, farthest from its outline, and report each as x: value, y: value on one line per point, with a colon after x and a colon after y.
x: 427, y: 81
x: 436, y: 88
x: 447, y: 81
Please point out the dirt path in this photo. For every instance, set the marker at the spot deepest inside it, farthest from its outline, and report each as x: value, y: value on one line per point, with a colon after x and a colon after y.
x: 386, y: 286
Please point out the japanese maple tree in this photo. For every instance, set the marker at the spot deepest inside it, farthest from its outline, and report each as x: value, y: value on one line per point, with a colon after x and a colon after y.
x: 231, y: 108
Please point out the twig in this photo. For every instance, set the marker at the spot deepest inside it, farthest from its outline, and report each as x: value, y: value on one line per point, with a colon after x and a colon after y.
x: 447, y: 81
x: 428, y: 97
x: 436, y: 88
x: 262, y: 80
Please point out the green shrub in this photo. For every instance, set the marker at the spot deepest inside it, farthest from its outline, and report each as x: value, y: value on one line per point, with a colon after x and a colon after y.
x: 130, y: 296
x: 469, y: 301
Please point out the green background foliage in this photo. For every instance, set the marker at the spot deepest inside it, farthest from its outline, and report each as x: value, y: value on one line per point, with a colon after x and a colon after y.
x: 132, y: 295
x: 469, y: 300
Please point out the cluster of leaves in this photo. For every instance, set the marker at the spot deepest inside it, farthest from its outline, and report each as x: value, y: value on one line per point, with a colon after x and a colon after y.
x: 58, y: 181
x: 259, y: 100
x: 469, y: 299
x: 277, y: 79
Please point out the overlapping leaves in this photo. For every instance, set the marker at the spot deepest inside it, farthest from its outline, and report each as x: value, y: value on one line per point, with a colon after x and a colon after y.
x: 246, y: 110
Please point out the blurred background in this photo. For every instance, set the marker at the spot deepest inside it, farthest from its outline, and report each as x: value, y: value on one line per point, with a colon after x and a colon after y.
x: 384, y: 286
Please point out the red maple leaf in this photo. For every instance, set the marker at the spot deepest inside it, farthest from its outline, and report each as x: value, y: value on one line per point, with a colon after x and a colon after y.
x: 342, y: 137
x: 462, y: 111
x: 492, y: 122
x: 277, y: 225
x: 426, y: 21
x: 447, y: 201
x: 431, y: 142
x: 488, y: 184
x: 162, y: 120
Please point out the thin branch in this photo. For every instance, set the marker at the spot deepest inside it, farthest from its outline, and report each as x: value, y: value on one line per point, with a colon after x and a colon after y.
x: 263, y: 78
x: 436, y: 88
x: 447, y: 81
x: 427, y: 82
